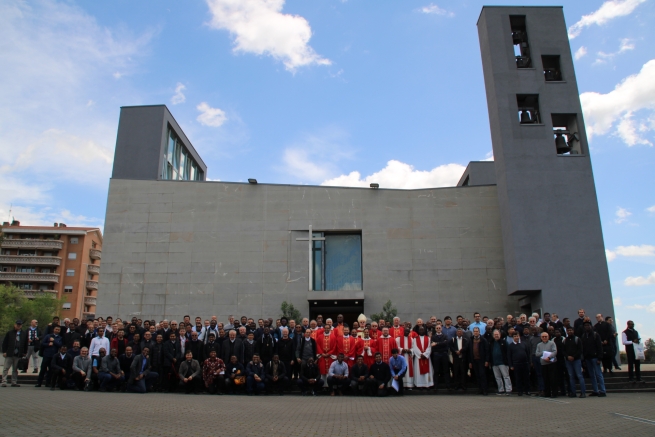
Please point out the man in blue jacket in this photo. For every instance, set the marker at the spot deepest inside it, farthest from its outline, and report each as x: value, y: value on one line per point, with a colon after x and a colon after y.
x: 49, y: 346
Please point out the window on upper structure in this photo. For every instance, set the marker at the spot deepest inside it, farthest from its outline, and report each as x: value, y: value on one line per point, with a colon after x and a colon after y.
x: 566, y: 134
x: 74, y: 240
x: 70, y: 272
x: 520, y: 41
x: 68, y: 289
x: 72, y: 255
x: 528, y: 106
x: 66, y: 306
x: 552, y: 70
x: 45, y: 270
x: 337, y: 262
x: 178, y: 164
x: 25, y: 269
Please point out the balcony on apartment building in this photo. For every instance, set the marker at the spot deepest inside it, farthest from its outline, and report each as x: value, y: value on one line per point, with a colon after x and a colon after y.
x: 29, y: 277
x: 30, y: 260
x: 30, y: 294
x: 32, y: 244
x: 93, y: 269
x: 95, y: 254
x: 90, y: 300
x: 91, y: 285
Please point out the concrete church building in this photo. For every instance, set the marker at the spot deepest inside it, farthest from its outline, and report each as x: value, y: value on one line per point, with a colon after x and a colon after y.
x: 515, y: 235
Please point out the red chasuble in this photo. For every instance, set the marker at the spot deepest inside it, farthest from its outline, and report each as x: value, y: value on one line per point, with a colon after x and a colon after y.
x: 325, y: 345
x: 397, y: 332
x: 347, y: 347
x: 423, y: 363
x: 384, y: 347
x: 374, y: 333
x: 369, y: 356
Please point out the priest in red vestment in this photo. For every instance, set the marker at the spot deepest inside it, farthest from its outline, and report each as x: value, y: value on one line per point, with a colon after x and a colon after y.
x: 385, y: 344
x: 347, y: 345
x: 338, y: 329
x: 374, y: 332
x: 326, y: 349
x: 405, y: 343
x: 396, y: 330
x: 368, y: 349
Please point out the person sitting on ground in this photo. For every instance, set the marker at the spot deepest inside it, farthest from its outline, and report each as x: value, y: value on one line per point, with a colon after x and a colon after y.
x: 235, y: 375
x: 338, y: 375
x: 378, y: 376
x: 141, y: 375
x: 310, y: 377
x: 190, y: 374
x: 276, y: 374
x: 358, y: 375
x: 61, y: 368
x: 82, y: 369
x: 256, y: 376
x: 213, y: 373
x: 398, y: 368
x: 110, y: 374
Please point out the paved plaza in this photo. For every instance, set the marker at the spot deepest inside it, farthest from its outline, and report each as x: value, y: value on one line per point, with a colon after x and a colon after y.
x: 28, y: 411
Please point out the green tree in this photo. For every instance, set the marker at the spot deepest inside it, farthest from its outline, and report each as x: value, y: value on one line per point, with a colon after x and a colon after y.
x: 387, y: 314
x: 290, y: 312
x: 649, y: 349
x: 14, y: 305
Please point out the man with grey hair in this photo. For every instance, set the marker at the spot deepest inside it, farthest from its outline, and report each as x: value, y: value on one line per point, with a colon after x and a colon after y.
x: 82, y: 368
x: 232, y: 346
x: 33, y: 338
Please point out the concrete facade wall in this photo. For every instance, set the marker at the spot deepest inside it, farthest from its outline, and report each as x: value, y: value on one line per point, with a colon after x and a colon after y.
x: 203, y: 248
x: 552, y: 236
x: 478, y: 173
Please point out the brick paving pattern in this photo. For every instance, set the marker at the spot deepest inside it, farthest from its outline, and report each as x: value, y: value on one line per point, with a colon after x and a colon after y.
x: 29, y: 411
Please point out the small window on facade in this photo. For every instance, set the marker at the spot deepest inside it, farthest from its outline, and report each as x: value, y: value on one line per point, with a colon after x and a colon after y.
x: 74, y: 240
x: 520, y: 41
x: 72, y: 256
x: 66, y: 306
x: 93, y: 245
x: 70, y: 272
x: 68, y: 289
x: 528, y: 105
x: 46, y: 270
x: 552, y: 71
x: 565, y: 131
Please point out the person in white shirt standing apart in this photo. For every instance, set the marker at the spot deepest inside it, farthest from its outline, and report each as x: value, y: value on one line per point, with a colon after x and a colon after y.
x: 98, y: 342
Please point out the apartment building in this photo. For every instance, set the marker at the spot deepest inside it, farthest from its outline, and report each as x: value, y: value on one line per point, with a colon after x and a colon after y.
x: 54, y: 260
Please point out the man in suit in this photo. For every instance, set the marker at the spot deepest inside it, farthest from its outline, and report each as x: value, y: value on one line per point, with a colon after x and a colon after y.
x: 459, y: 347
x: 170, y: 353
x: 276, y: 375
x: 306, y: 348
x: 14, y: 347
x: 141, y: 375
x: 190, y: 374
x: 358, y: 375
x: 478, y: 359
x: 49, y: 347
x: 232, y: 346
x: 82, y: 368
x: 61, y: 368
x: 309, y: 379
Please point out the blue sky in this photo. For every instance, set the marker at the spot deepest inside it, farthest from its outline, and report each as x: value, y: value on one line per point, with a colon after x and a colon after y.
x: 310, y: 92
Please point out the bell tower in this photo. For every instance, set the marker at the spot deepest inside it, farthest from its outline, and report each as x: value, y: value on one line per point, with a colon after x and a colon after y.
x: 553, y: 242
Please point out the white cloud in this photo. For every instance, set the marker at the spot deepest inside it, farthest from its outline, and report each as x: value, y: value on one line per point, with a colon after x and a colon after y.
x: 651, y: 209
x: 209, y: 116
x: 627, y: 44
x: 643, y: 250
x: 260, y: 27
x: 582, y: 51
x: 618, y: 302
x: 637, y: 281
x: 315, y: 157
x: 179, y: 96
x: 635, y: 93
x: 435, y: 10
x: 610, y: 255
x: 489, y: 156
x: 622, y: 215
x: 608, y: 11
x: 400, y: 175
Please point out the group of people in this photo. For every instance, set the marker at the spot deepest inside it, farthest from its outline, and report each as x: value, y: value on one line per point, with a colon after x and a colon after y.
x: 524, y: 355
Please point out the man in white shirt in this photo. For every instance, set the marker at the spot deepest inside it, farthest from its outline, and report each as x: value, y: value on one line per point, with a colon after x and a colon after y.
x: 98, y: 342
